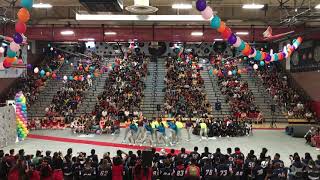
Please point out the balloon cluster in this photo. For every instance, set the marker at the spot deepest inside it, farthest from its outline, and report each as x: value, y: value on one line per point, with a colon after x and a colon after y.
x: 21, y: 116
x: 238, y: 43
x: 18, y: 38
x: 89, y: 69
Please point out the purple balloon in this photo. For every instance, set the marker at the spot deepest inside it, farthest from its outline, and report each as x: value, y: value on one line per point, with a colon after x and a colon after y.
x: 201, y: 5
x: 284, y: 55
x: 232, y: 39
x: 29, y: 66
x: 17, y: 38
x: 251, y: 50
x: 268, y: 58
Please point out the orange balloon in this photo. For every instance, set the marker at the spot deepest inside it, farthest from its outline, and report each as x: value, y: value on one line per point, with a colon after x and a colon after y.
x: 10, y: 60
x: 215, y: 72
x: 75, y: 78
x: 239, y: 71
x: 23, y: 15
x: 222, y: 27
x: 47, y: 74
x: 246, y: 50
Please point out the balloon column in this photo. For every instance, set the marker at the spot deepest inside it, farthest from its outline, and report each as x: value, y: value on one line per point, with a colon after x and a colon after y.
x: 238, y: 43
x: 21, y: 28
x: 21, y: 115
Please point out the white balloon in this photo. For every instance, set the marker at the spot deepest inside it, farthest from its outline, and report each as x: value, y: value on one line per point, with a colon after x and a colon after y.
x: 36, y: 70
x: 89, y: 76
x: 65, y: 78
x: 1, y: 50
x: 229, y: 73
x: 255, y: 66
x: 238, y: 42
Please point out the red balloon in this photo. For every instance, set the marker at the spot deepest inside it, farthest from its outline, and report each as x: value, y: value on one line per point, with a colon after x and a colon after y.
x: 6, y: 64
x: 280, y: 56
x: 53, y: 75
x: 263, y: 55
x: 21, y: 27
x: 226, y: 33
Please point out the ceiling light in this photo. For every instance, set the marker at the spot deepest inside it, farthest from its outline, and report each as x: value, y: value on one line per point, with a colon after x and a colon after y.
x: 86, y: 39
x: 67, y: 33
x: 252, y: 6
x: 217, y: 39
x: 197, y: 33
x: 242, y: 33
x: 113, y: 17
x: 182, y: 6
x: 317, y: 6
x: 110, y: 33
x: 42, y: 6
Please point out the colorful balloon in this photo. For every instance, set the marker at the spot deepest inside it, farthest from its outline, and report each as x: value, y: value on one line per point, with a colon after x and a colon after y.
x: 11, y: 53
x: 17, y: 38
x: 42, y: 72
x: 242, y: 46
x: 23, y: 15
x: 11, y: 60
x: 215, y: 22
x: 27, y: 3
x: 238, y: 42
x: 1, y: 50
x: 226, y: 33
x: 36, y: 70
x: 21, y: 27
x: 14, y: 47
x: 207, y: 13
x: 6, y: 64
x: 232, y: 39
x: 201, y: 5
x: 222, y: 27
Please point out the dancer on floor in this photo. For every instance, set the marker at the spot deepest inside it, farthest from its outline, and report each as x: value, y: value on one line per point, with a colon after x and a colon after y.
x: 126, y: 130
x: 180, y: 126
x: 133, y: 133
x: 189, y: 126
x: 203, y: 130
x: 172, y: 127
x: 148, y: 134
x: 162, y: 134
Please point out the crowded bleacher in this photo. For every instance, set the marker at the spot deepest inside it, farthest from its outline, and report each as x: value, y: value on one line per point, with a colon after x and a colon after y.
x: 185, y: 94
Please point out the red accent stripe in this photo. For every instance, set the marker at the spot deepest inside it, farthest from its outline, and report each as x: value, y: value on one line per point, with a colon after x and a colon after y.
x: 96, y: 143
x: 269, y: 129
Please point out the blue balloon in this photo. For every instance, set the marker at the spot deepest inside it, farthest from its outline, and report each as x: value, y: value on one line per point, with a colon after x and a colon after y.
x: 11, y: 53
x: 242, y: 46
x: 276, y: 58
x: 234, y: 72
x: 70, y: 78
x: 258, y: 56
x: 42, y: 72
x: 261, y: 63
x: 215, y: 22
x: 210, y: 71
x: 27, y: 4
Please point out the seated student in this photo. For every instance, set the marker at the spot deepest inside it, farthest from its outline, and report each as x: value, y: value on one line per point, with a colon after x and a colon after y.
x: 32, y: 124
x: 38, y: 123
x: 179, y: 170
x: 61, y: 123
x: 166, y: 172
x: 55, y: 124
x: 44, y: 123
x: 193, y: 171
x: 208, y: 170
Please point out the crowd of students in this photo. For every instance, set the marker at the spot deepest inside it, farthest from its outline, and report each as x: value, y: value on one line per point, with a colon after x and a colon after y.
x: 238, y: 94
x: 185, y: 94
x: 279, y: 88
x: 67, y: 99
x: 174, y: 165
x: 123, y: 92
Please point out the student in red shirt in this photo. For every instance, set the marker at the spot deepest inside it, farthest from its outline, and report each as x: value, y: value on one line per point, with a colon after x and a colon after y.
x: 193, y: 171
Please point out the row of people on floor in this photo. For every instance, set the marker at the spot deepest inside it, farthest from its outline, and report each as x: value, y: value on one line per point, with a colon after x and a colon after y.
x: 163, y: 165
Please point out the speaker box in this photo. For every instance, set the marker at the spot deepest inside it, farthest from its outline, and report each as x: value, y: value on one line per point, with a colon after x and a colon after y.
x: 300, y: 130
x: 217, y: 106
x: 147, y: 158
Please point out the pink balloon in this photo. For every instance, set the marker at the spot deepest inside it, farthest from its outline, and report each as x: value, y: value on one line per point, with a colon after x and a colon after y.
x: 20, y: 61
x: 238, y: 42
x: 207, y: 13
x: 254, y: 53
x: 14, y: 47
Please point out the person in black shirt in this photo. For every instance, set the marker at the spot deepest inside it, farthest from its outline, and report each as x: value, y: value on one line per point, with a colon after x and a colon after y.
x: 67, y: 169
x: 194, y: 154
x: 69, y: 154
x: 238, y: 173
x: 155, y: 170
x: 166, y: 172
x: 104, y: 171
x: 179, y: 170
x: 48, y: 157
x: 208, y: 170
x: 223, y: 170
x: 76, y: 168
x: 258, y: 172
x: 88, y: 172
